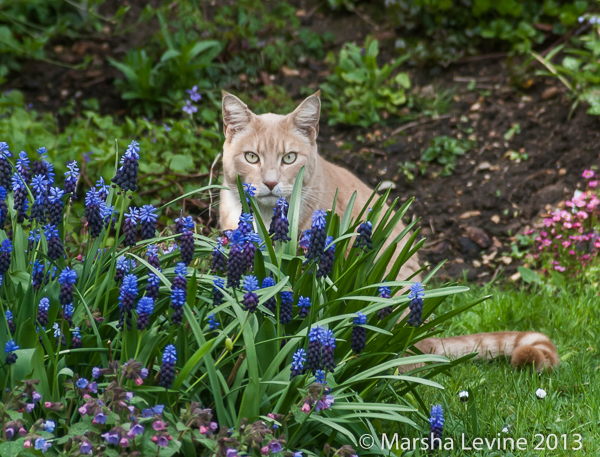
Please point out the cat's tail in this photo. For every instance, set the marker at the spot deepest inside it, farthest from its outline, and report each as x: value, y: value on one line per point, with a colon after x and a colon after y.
x: 523, y: 348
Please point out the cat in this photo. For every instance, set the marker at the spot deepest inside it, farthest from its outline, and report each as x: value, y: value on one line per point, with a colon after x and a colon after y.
x: 269, y: 150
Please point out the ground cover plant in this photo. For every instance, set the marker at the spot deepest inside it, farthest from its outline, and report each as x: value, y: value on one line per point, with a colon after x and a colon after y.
x: 139, y: 344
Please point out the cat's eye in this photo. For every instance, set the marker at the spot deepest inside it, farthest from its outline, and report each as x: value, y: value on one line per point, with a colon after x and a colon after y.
x: 289, y: 158
x: 251, y: 157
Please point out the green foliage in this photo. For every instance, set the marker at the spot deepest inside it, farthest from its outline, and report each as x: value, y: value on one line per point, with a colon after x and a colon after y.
x: 408, y: 170
x: 444, y: 150
x: 455, y: 27
x: 26, y: 26
x: 579, y: 68
x: 235, y: 374
x: 359, y: 92
x: 176, y: 154
x: 276, y: 101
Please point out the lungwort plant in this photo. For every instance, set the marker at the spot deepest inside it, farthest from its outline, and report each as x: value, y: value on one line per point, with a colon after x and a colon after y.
x: 261, y: 341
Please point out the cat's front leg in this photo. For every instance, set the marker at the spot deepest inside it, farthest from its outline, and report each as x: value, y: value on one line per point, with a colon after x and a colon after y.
x: 230, y: 210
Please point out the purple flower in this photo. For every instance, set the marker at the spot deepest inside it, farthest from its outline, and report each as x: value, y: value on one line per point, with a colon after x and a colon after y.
x: 82, y: 383
x: 49, y: 426
x: 137, y: 429
x: 275, y: 446
x: 100, y: 418
x: 86, y: 447
x: 162, y: 441
x: 111, y: 438
x: 190, y: 109
x: 194, y: 95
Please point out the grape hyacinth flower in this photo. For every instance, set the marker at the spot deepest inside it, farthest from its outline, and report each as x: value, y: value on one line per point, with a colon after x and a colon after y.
x: 304, y: 305
x: 384, y: 292
x: 271, y: 303
x: 318, y: 236
x: 93, y: 215
x: 3, y: 208
x: 122, y: 268
x: 313, y: 356
x: 219, y: 283
x: 212, y: 323
x: 363, y: 240
x: 55, y: 205
x: 416, y: 294
x: 76, y: 339
x: 43, y: 167
x: 250, y: 301
x: 22, y: 166
x: 127, y: 300
x: 103, y: 189
x: 144, y: 309
x: 320, y: 377
x: 42, y: 314
x: 328, y: 344
x: 436, y: 421
x: 298, y: 360
x: 5, y: 255
x: 218, y: 258
x: 166, y: 375
x: 280, y: 226
x: 328, y: 259
x: 21, y: 203
x: 245, y: 224
x: 71, y: 178
x: 148, y: 218
x: 37, y: 275
x: 56, y: 249
x: 130, y: 226
x: 249, y: 191
x: 249, y: 249
x: 39, y: 185
x: 152, y: 288
x: 235, y: 263
x: 127, y: 174
x: 5, y: 167
x: 187, y: 240
x: 179, y: 293
x: 9, y: 348
x: 358, y: 341
x: 11, y: 324
x: 304, y: 241
x: 67, y: 280
x: 287, y: 307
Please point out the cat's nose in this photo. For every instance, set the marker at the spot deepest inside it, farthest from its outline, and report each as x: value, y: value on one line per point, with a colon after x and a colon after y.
x: 270, y: 184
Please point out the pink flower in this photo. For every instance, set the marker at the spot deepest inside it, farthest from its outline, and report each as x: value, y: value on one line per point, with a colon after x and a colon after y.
x: 566, y: 244
x: 567, y: 225
x: 83, y: 410
x: 48, y: 404
x: 571, y: 252
x: 139, y: 381
x: 581, y: 202
x: 204, y: 430
x: 271, y: 416
x: 158, y: 425
x: 264, y: 450
x: 528, y: 232
x: 559, y: 268
x: 597, y: 244
x: 548, y: 222
x: 582, y: 214
x: 587, y: 174
x: 544, y: 234
x: 306, y: 408
x: 593, y: 183
x: 27, y: 444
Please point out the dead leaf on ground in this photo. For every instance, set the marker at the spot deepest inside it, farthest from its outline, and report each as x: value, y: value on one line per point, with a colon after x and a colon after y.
x: 290, y: 71
x: 469, y: 214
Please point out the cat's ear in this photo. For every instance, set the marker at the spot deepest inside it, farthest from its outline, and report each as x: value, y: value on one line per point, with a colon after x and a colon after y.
x: 236, y: 115
x: 306, y: 116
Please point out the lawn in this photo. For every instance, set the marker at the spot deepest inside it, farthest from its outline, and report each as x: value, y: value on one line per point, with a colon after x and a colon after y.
x: 501, y: 397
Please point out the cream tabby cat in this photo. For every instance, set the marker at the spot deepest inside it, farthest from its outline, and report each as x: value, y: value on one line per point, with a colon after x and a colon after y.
x: 269, y: 150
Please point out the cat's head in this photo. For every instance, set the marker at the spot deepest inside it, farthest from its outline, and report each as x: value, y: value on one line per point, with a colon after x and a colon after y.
x: 268, y: 150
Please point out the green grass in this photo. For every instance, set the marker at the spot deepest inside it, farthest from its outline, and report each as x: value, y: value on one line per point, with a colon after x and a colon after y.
x: 501, y: 396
